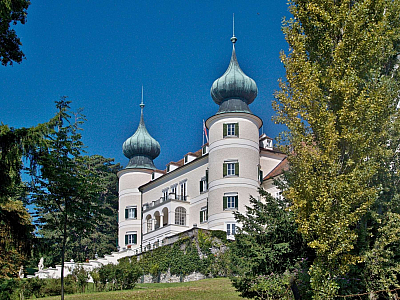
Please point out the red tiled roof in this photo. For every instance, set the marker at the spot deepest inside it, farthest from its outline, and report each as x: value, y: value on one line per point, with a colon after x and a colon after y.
x: 278, y: 170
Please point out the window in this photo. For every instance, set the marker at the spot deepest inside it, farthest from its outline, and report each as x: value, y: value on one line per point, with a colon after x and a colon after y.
x: 165, y: 194
x: 180, y: 216
x: 168, y: 168
x: 203, y: 214
x: 153, y: 175
x: 203, y: 185
x: 230, y: 201
x: 231, y: 130
x: 149, y: 225
x: 186, y: 159
x: 183, y: 191
x: 230, y: 229
x: 130, y: 238
x: 231, y: 168
x: 131, y: 212
x: 204, y: 150
x: 173, y: 190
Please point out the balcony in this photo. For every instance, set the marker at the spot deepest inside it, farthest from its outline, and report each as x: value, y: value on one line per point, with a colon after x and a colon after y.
x: 171, y: 196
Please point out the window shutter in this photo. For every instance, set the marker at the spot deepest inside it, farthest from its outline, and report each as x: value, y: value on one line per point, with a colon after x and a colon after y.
x: 126, y: 213
x: 135, y: 213
x: 126, y: 240
x: 201, y: 186
x: 225, y: 202
x: 237, y: 129
x: 225, y: 130
x: 236, y: 202
x: 225, y: 171
x: 207, y: 177
x: 261, y: 176
x: 201, y: 217
x: 135, y: 238
x: 237, y: 169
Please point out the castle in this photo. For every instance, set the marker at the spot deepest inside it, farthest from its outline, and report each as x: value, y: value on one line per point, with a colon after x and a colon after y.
x: 205, y: 187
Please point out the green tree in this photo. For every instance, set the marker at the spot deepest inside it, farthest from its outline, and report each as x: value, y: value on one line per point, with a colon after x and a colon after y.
x: 11, y: 12
x: 65, y: 192
x: 15, y: 222
x: 266, y: 249
x: 339, y: 104
x: 99, y: 239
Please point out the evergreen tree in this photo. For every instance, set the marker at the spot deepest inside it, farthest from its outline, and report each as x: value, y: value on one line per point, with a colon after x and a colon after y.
x: 99, y: 239
x: 266, y: 249
x: 15, y: 222
x: 65, y: 191
x: 339, y: 105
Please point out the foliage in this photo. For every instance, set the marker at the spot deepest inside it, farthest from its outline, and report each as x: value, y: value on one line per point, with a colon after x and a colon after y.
x: 266, y: 247
x: 15, y: 222
x: 339, y: 105
x: 186, y: 256
x: 122, y: 276
x: 11, y: 12
x: 65, y: 191
x: 99, y: 239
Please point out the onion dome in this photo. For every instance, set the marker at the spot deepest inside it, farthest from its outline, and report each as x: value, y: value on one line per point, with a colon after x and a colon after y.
x: 234, y: 90
x: 141, y: 148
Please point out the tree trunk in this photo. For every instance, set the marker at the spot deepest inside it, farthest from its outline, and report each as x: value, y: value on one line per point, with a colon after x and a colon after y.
x: 63, y: 256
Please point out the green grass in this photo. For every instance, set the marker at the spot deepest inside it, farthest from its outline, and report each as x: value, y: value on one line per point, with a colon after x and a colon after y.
x: 216, y: 288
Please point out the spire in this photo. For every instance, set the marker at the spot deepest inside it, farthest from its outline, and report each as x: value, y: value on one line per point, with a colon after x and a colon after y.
x: 234, y: 90
x: 141, y: 148
x: 233, y: 38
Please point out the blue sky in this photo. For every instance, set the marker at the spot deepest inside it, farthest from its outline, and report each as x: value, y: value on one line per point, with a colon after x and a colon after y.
x: 100, y: 53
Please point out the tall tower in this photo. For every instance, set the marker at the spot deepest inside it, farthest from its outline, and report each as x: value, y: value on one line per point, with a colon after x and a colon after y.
x: 141, y: 149
x: 233, y: 147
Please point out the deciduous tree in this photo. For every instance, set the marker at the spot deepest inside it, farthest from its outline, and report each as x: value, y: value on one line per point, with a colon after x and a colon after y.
x: 11, y: 12
x: 338, y: 102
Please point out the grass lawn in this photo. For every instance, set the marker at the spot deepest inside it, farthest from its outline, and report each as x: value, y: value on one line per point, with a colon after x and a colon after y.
x: 215, y: 288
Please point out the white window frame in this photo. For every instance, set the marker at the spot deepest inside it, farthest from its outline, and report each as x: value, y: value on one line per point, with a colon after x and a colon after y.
x: 130, y: 235
x: 230, y: 169
x: 230, y: 229
x: 230, y: 129
x: 132, y: 209
x: 183, y: 190
x: 165, y: 194
x: 203, y: 211
x: 180, y: 216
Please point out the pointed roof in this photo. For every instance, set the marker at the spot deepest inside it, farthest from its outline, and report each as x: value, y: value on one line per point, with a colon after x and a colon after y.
x: 234, y: 90
x: 141, y: 148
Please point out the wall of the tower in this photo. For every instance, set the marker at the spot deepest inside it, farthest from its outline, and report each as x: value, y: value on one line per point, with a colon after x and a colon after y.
x: 234, y: 160
x: 130, y: 206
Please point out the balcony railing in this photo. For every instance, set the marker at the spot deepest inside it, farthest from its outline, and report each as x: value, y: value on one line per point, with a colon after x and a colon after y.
x: 171, y: 196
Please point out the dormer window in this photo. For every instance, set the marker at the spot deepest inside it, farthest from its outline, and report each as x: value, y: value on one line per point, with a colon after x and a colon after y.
x: 186, y: 159
x: 204, y: 150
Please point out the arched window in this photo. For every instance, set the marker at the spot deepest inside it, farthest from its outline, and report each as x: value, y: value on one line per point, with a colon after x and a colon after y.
x: 180, y: 216
x: 149, y: 223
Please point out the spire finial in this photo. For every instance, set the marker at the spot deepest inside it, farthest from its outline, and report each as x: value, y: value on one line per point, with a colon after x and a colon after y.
x: 233, y: 38
x: 141, y: 103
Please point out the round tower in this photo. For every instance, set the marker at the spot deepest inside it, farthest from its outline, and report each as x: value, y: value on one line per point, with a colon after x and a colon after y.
x: 141, y: 148
x: 234, y: 157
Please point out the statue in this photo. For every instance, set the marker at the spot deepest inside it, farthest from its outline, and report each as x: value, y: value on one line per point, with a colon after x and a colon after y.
x: 21, y: 272
x: 40, y: 265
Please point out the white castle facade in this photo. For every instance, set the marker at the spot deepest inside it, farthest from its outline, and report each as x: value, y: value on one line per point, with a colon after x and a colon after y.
x: 205, y: 187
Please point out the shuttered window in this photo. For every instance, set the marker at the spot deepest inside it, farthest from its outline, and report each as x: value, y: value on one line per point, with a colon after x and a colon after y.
x: 130, y: 239
x: 231, y: 130
x: 230, y: 169
x: 230, y: 202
